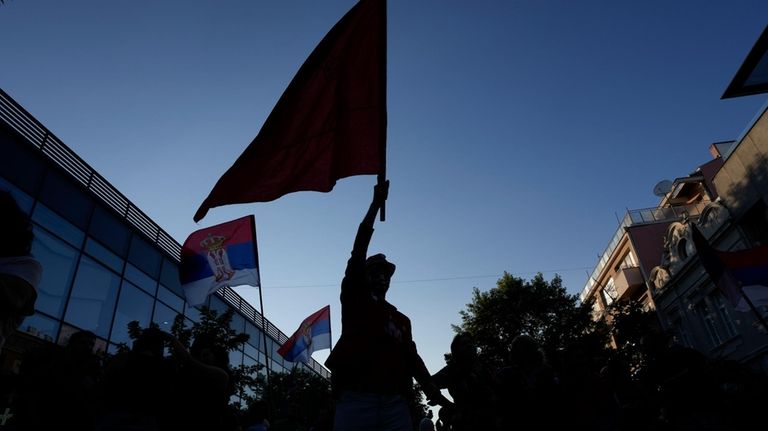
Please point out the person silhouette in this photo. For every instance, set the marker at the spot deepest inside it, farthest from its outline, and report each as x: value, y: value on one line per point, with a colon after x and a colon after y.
x: 375, y: 359
x: 20, y: 273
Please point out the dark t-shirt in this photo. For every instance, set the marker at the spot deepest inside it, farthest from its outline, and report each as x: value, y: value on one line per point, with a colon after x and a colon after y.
x: 375, y: 352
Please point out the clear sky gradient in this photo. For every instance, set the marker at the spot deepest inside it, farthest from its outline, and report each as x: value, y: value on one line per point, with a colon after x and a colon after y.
x: 518, y: 130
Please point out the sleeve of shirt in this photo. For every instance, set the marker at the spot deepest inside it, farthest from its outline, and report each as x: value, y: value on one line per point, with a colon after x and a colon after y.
x: 354, y: 276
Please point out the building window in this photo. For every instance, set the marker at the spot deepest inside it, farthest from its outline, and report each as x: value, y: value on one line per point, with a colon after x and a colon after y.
x: 682, y: 248
x: 93, y: 297
x: 66, y: 199
x: 40, y: 326
x: 140, y: 279
x: 708, y: 321
x: 169, y: 276
x: 109, y: 230
x: 133, y: 304
x: 58, y: 225
x: 145, y: 256
x: 724, y: 314
x: 164, y: 316
x: 103, y: 255
x: 609, y: 292
x: 24, y: 200
x: 170, y: 298
x: 59, y: 261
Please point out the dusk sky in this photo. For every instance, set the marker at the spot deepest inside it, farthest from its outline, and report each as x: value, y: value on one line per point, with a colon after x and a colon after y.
x: 519, y: 131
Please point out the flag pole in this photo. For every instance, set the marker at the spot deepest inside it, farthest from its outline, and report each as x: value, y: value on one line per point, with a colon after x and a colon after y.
x: 261, y: 299
x: 754, y: 309
x: 383, y: 50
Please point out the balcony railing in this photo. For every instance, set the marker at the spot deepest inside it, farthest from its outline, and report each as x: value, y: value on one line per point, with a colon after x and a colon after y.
x: 632, y: 218
x: 18, y: 119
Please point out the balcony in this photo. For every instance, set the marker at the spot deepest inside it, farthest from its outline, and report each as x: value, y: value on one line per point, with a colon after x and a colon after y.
x: 627, y: 280
x: 636, y: 217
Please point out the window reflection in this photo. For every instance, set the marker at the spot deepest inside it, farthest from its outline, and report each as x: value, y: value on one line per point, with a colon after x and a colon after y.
x: 144, y: 255
x: 106, y: 257
x: 109, y: 230
x: 93, y: 297
x: 140, y: 279
x: 40, y: 326
x: 164, y: 316
x: 170, y: 298
x: 59, y: 261
x: 24, y: 200
x: 132, y: 305
x: 56, y: 224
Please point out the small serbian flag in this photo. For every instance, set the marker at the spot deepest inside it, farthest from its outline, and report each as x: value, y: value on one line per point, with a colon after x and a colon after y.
x: 218, y: 256
x: 739, y: 274
x: 313, y: 334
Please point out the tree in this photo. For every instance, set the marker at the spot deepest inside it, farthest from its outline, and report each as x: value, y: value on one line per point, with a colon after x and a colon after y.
x: 539, y: 308
x: 299, y: 398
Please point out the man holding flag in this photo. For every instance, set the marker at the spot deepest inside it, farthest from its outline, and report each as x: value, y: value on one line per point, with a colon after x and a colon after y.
x: 375, y: 360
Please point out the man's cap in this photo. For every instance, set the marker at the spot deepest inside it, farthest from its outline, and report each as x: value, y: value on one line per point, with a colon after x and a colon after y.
x: 379, y: 260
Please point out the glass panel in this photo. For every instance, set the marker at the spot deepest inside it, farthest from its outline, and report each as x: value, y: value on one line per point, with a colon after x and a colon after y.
x: 144, y: 255
x: 238, y: 323
x: 255, y: 334
x: 170, y: 298
x: 132, y: 305
x: 169, y: 276
x: 99, y: 344
x: 93, y: 297
x: 66, y: 198
x: 164, y: 316
x: 250, y: 350
x: 248, y: 360
x: 192, y: 312
x: 40, y: 326
x: 235, y: 358
x: 140, y: 279
x: 106, y: 257
x: 219, y: 305
x: 59, y: 261
x: 110, y: 230
x: 56, y: 224
x: 24, y: 200
x: 21, y: 163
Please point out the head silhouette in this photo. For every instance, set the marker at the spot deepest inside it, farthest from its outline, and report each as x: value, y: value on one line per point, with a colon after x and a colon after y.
x: 378, y: 273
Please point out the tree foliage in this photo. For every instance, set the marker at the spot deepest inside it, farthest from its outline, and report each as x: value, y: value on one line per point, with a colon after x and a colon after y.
x: 537, y: 307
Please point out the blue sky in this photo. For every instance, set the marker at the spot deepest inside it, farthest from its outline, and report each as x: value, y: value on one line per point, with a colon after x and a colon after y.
x: 518, y: 130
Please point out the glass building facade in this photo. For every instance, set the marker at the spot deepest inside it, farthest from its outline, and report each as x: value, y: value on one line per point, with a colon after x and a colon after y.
x: 105, y: 262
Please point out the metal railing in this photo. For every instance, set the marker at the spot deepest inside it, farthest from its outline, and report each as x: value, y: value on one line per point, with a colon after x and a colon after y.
x: 636, y: 217
x: 18, y: 119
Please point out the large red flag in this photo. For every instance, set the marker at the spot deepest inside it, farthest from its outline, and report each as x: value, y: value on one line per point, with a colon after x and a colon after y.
x: 330, y: 122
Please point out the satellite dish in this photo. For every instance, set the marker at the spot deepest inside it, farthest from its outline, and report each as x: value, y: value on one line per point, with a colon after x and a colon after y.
x: 662, y: 188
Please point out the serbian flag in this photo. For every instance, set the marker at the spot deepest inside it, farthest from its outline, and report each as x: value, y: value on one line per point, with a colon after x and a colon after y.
x: 218, y: 256
x: 330, y: 122
x: 736, y: 273
x: 313, y: 334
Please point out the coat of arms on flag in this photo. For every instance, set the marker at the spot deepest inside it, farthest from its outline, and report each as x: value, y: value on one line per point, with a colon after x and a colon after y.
x: 218, y: 256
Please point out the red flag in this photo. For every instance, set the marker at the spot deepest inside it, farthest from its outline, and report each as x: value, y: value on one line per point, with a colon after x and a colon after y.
x: 330, y: 122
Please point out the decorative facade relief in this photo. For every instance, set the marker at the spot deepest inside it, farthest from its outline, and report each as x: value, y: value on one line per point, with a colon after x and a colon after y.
x: 678, y: 245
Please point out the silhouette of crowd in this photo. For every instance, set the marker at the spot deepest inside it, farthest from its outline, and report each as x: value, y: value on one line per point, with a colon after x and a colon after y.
x: 160, y: 384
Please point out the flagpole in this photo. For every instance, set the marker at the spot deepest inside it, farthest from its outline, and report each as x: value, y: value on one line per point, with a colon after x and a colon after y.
x: 261, y: 299
x: 754, y: 309
x: 383, y: 49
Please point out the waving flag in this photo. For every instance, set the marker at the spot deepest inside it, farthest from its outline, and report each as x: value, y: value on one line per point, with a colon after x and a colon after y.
x: 735, y: 273
x: 313, y: 334
x: 218, y: 256
x: 330, y: 122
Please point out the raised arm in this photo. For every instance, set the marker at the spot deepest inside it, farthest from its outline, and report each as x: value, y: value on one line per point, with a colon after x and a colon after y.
x: 354, y: 276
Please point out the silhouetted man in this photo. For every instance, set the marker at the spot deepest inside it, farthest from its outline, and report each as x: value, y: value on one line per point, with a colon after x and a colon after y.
x: 375, y: 360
